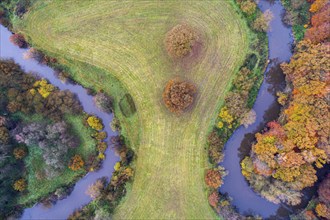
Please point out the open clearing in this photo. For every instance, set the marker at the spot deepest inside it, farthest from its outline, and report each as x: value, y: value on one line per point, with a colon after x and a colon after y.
x: 101, y: 40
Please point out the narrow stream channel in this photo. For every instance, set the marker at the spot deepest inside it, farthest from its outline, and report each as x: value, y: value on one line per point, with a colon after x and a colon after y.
x: 267, y: 109
x: 63, y: 208
x: 244, y: 198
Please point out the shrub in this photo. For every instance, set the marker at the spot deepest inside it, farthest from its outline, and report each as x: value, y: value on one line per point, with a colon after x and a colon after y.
x: 22, y: 7
x: 215, y: 147
x: 102, y: 146
x: 248, y: 7
x: 214, y: 199
x: 178, y: 95
x: 76, y: 163
x: 19, y: 185
x: 4, y: 135
x: 44, y: 88
x: 95, y: 123
x: 100, y: 135
x: 34, y: 54
x: 180, y: 40
x: 19, y: 153
x: 94, y: 190
x: 213, y: 178
x: 262, y: 22
x: 249, y: 118
x: 103, y: 102
x: 18, y: 40
x: 322, y: 210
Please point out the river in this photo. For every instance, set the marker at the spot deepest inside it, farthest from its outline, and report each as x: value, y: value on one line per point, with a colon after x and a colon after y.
x: 266, y: 107
x: 63, y: 208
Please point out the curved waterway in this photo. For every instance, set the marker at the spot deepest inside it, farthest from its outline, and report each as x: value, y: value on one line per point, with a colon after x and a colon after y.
x: 244, y: 198
x: 267, y: 109
x: 63, y: 208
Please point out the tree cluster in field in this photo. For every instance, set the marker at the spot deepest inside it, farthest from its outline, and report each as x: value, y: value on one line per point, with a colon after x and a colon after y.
x: 285, y: 158
x: 178, y: 95
x: 180, y: 40
x: 107, y: 196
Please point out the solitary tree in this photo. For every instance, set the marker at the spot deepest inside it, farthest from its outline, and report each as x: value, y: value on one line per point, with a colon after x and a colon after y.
x: 178, y: 95
x: 180, y: 40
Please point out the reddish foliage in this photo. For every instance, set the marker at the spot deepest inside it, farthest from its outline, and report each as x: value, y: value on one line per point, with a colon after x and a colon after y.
x: 309, y: 215
x: 276, y: 129
x: 317, y: 5
x: 318, y: 34
x: 178, y: 95
x: 214, y: 199
x: 213, y: 178
x: 322, y: 16
x: 18, y: 40
x: 76, y: 163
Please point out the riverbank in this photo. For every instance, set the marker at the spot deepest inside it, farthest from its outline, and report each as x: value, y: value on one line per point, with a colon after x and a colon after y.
x: 8, y: 50
x: 267, y: 109
x: 153, y: 119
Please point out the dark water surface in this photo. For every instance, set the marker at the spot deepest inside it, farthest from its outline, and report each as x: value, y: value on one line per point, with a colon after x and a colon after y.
x: 267, y: 109
x: 63, y: 208
x: 244, y: 198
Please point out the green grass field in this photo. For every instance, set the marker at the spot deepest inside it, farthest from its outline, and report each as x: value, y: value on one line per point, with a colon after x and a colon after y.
x: 118, y: 46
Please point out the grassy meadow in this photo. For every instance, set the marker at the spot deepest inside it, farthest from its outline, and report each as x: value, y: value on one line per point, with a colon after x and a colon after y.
x: 118, y: 46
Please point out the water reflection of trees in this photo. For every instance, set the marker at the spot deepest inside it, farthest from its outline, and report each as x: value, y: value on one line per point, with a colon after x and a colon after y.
x: 275, y: 77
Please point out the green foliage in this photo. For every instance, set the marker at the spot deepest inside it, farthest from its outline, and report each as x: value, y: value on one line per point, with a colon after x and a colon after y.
x: 297, y: 16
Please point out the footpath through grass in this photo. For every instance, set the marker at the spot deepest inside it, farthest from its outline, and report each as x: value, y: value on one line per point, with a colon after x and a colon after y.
x: 118, y: 47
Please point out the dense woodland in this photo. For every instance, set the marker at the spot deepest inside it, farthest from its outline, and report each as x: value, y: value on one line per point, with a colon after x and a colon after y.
x: 285, y: 158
